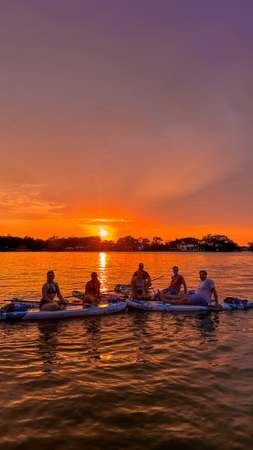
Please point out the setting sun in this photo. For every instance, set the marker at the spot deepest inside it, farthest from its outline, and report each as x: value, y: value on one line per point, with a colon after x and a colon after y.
x: 103, y: 233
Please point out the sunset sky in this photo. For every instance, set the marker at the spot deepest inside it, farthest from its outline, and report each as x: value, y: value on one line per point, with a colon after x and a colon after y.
x: 129, y: 116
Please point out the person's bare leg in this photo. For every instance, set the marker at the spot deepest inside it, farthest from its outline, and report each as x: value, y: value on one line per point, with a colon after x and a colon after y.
x: 180, y: 299
x: 52, y: 306
x: 168, y: 295
x: 145, y: 296
x: 62, y: 306
x: 89, y: 299
x: 135, y: 296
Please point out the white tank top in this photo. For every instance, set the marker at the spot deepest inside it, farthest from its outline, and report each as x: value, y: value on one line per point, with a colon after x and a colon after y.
x: 138, y: 285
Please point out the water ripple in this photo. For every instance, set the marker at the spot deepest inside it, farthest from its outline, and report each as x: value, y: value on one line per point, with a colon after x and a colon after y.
x: 133, y: 380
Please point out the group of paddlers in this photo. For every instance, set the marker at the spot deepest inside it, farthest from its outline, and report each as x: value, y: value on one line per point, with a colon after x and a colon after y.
x: 201, y: 296
x: 139, y: 286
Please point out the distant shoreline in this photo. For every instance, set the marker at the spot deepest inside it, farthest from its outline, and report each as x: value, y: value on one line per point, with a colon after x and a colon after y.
x: 126, y: 252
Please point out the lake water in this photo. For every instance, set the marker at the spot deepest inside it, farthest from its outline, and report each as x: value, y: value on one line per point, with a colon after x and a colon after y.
x: 132, y: 380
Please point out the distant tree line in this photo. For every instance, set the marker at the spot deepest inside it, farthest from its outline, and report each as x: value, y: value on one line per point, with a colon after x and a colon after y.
x: 210, y: 243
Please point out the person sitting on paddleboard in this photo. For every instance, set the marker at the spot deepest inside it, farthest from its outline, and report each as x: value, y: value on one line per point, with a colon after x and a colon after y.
x: 176, y: 282
x: 49, y: 290
x: 203, y: 293
x: 139, y: 285
x: 92, y: 290
x: 145, y: 275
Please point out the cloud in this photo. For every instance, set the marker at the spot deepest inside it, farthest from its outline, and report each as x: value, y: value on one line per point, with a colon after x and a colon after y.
x: 127, y: 111
x: 102, y: 221
x: 23, y: 201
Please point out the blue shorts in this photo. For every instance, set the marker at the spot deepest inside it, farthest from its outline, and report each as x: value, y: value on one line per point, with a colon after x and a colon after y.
x: 198, y: 300
x: 171, y: 291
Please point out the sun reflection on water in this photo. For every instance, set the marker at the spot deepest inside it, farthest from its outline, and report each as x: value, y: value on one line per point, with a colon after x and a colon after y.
x: 102, y: 270
x: 102, y: 257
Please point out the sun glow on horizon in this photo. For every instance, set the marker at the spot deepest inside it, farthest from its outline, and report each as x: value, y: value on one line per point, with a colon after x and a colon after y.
x: 103, y: 233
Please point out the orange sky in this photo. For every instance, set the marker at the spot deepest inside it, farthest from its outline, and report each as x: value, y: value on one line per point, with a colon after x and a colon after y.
x: 126, y: 117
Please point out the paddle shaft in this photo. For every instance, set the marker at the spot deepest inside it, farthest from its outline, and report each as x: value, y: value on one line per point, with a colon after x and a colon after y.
x: 158, y: 278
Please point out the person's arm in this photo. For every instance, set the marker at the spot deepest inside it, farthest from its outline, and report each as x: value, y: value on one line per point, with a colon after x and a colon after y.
x: 44, y: 294
x: 215, y: 295
x: 99, y: 284
x: 184, y: 284
x: 170, y: 282
x: 134, y: 291
x: 131, y: 282
x: 86, y: 287
x: 59, y: 294
x: 148, y: 279
x: 145, y: 286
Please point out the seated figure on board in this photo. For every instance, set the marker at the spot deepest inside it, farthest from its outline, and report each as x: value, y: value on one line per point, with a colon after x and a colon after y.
x: 145, y: 275
x: 92, y: 290
x: 176, y: 282
x: 203, y: 293
x: 49, y: 290
x: 139, y: 285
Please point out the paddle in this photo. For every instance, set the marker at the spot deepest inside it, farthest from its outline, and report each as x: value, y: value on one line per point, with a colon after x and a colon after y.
x: 158, y: 278
x: 34, y: 302
x: 22, y: 301
x: 78, y: 301
x: 103, y: 294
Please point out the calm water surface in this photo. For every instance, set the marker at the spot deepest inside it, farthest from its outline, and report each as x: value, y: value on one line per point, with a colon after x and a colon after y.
x: 133, y: 380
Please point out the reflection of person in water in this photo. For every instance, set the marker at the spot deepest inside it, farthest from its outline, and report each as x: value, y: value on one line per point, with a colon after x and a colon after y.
x: 48, y: 345
x: 91, y: 340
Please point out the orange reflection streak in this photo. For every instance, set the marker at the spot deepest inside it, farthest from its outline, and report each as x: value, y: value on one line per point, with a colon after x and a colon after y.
x: 108, y: 357
x: 102, y: 257
x: 102, y: 270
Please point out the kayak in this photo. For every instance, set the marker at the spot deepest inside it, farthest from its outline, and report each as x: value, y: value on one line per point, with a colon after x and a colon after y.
x: 126, y: 289
x: 123, y: 288
x: 78, y: 294
x: 77, y: 311
x: 227, y: 305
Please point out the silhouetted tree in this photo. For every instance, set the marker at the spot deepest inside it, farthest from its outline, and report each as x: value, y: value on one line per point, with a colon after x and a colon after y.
x: 217, y: 242
x: 250, y: 244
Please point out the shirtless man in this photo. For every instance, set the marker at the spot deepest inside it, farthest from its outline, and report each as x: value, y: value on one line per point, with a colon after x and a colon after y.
x: 176, y: 282
x: 145, y: 275
x: 92, y: 290
x: 49, y: 290
x: 203, y: 293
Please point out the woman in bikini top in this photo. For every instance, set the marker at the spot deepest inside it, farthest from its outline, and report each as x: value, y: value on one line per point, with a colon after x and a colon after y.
x: 49, y: 290
x: 53, y: 289
x: 92, y: 290
x: 139, y: 285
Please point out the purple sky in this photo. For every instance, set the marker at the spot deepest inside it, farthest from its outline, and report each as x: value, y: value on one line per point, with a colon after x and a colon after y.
x: 134, y: 113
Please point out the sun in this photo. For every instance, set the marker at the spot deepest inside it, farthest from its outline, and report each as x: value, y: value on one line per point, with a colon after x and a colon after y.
x: 103, y: 233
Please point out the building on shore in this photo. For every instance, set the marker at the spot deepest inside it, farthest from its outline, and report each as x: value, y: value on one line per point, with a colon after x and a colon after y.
x: 188, y: 247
